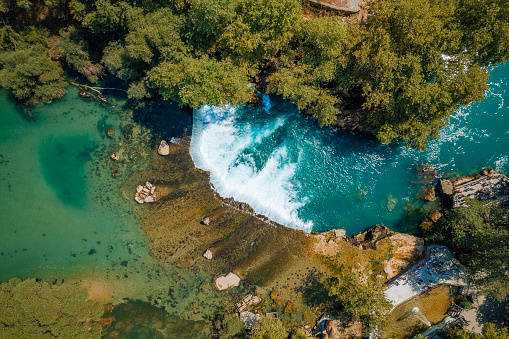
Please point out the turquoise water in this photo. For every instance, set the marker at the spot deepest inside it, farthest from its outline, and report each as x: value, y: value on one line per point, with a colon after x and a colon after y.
x: 62, y: 214
x: 309, y: 178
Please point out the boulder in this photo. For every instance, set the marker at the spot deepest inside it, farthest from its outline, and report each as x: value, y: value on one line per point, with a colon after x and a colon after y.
x: 145, y: 193
x: 429, y: 193
x: 115, y: 156
x: 340, y: 233
x: 206, y: 221
x: 164, y: 148
x: 435, y: 215
x: 208, y: 254
x: 492, y: 171
x: 228, y: 281
x: 445, y: 187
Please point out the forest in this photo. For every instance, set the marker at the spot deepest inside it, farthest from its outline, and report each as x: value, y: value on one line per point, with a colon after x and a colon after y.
x: 409, y: 66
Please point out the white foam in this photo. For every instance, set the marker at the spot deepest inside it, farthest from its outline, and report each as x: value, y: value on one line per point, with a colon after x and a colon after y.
x: 219, y: 146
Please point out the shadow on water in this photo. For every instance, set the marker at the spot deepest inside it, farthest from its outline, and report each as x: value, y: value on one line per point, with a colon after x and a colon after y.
x: 139, y: 320
x: 165, y: 118
x: 63, y: 167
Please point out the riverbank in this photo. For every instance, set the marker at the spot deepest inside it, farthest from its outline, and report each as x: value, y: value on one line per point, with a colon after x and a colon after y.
x: 277, y: 263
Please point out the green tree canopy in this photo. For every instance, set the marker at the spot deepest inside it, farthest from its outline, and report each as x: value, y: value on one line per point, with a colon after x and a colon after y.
x: 199, y: 81
x: 30, y: 74
x: 32, y: 309
x: 480, y: 235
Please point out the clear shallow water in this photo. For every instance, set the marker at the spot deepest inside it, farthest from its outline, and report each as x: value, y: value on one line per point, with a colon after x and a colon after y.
x: 309, y: 178
x: 62, y: 214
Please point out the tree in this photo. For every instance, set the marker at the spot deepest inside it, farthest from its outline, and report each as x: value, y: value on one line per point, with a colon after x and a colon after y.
x: 269, y: 329
x: 200, y: 81
x: 489, y: 331
x: 31, y: 75
x: 363, y: 301
x: 408, y: 63
x: 480, y: 236
x: 33, y: 309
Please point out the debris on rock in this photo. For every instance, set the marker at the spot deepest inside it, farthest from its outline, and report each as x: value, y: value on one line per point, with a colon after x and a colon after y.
x: 146, y: 193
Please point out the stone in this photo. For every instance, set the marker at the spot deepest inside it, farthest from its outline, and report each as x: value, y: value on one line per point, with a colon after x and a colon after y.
x: 429, y: 193
x: 445, y: 187
x: 139, y: 189
x: 208, y: 254
x: 115, y: 174
x: 150, y: 198
x: 206, y: 221
x: 110, y: 132
x: 435, y: 215
x: 164, y: 148
x: 115, y: 156
x: 340, y: 233
x: 228, y: 281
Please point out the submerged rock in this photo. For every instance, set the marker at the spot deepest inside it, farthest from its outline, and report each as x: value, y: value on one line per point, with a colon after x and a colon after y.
x: 115, y: 156
x: 228, y: 281
x: 429, y: 193
x: 110, y: 132
x: 164, y: 148
x: 435, y: 215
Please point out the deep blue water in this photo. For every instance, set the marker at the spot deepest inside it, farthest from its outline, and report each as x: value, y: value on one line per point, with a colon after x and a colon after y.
x: 312, y: 178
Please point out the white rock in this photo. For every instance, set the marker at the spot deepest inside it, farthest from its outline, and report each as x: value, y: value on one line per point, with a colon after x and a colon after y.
x: 139, y: 189
x: 206, y: 221
x: 249, y: 319
x: 208, y: 254
x: 152, y: 190
x: 149, y: 199
x: 139, y: 200
x: 225, y: 282
x: 340, y: 233
x: 164, y: 148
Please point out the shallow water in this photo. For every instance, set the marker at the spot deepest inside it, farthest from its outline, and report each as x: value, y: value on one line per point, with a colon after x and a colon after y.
x: 62, y: 213
x: 301, y: 176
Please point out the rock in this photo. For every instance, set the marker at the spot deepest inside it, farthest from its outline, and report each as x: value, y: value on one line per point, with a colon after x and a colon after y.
x: 115, y: 156
x: 115, y: 174
x: 208, y: 254
x: 485, y: 172
x: 435, y: 215
x: 429, y: 194
x: 228, y: 281
x: 249, y: 319
x: 110, y: 132
x: 254, y: 99
x: 206, y: 221
x: 164, y: 148
x: 445, y: 187
x: 146, y: 193
x: 340, y: 233
x: 492, y: 171
x: 329, y: 327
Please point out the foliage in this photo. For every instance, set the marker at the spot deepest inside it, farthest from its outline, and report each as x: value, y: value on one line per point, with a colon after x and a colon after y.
x: 199, y: 81
x: 76, y: 52
x: 229, y: 327
x: 410, y: 70
x: 489, y: 331
x: 31, y: 75
x: 38, y: 309
x: 364, y: 301
x: 269, y: 329
x: 480, y: 234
